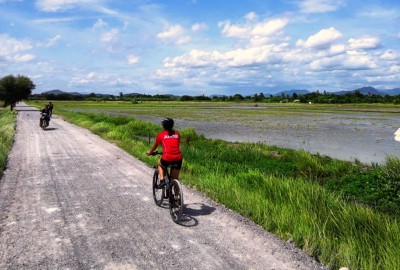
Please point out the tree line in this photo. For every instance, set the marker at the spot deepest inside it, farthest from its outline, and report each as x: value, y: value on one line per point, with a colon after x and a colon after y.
x: 314, y: 97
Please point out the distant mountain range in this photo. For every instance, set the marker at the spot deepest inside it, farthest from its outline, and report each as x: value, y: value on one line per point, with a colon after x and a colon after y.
x: 57, y: 92
x: 369, y: 90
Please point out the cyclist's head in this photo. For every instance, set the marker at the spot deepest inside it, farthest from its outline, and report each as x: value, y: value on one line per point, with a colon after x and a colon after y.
x: 167, y: 123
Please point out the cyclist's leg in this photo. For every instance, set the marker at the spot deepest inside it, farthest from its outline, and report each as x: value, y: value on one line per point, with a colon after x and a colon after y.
x: 161, y: 170
x: 175, y: 173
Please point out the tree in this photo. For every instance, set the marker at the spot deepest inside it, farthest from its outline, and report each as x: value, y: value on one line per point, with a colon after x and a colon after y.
x: 14, y: 89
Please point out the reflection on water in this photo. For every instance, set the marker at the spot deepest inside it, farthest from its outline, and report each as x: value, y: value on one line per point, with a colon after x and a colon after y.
x: 366, y: 139
x: 367, y: 143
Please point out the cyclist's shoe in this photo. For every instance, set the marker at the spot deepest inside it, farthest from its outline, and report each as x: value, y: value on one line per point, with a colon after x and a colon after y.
x: 161, y: 185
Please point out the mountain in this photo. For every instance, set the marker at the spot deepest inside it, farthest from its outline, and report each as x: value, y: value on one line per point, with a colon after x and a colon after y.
x: 392, y: 92
x: 369, y: 90
x: 59, y: 92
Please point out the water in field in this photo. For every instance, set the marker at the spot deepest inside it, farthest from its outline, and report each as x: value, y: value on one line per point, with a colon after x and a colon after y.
x: 364, y: 140
x: 362, y: 137
x: 347, y: 132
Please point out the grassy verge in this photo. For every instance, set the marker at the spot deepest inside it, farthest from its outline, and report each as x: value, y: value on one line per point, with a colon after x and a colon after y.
x: 7, y: 132
x: 320, y: 203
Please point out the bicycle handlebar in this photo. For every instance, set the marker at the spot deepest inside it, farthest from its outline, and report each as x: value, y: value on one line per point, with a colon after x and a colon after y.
x: 156, y: 153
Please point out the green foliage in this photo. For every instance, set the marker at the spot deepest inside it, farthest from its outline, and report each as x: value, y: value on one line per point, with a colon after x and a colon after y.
x: 14, y: 89
x: 314, y: 97
x: 378, y: 187
x: 7, y: 133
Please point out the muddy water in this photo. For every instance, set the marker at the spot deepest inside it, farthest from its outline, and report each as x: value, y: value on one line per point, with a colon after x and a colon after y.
x: 347, y: 136
x: 369, y: 140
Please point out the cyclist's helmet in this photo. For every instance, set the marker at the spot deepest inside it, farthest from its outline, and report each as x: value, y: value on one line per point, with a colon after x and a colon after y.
x: 167, y: 123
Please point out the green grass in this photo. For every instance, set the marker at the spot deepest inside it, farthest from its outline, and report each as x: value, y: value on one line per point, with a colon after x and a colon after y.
x: 7, y: 133
x: 341, y: 213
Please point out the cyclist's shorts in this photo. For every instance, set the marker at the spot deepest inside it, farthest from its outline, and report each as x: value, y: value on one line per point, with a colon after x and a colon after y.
x: 174, y: 164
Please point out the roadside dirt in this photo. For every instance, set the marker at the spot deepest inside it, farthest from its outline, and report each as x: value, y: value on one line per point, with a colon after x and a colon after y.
x: 70, y: 200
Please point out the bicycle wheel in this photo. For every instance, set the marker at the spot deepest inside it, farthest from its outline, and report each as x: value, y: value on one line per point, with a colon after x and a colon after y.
x: 158, y: 193
x: 176, y: 201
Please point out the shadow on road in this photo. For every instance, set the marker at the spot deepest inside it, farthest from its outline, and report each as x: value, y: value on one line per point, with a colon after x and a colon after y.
x: 198, y: 209
x: 193, y: 210
x: 50, y: 129
x: 27, y: 110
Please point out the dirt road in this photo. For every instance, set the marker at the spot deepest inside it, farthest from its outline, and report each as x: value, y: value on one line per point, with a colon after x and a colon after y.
x: 70, y: 200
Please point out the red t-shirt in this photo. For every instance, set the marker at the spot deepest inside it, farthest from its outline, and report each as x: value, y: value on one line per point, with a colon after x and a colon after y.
x: 170, y: 145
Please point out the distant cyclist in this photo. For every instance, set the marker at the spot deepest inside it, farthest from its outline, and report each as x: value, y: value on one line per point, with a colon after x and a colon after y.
x: 46, y: 115
x: 169, y: 139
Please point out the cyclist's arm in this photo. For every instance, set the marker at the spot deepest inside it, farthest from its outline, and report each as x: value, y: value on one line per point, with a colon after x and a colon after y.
x: 154, y: 148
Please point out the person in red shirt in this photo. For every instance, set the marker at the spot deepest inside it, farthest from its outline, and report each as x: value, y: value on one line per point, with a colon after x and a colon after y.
x: 169, y: 139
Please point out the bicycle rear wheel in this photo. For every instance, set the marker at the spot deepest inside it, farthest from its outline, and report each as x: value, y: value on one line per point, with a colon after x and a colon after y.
x: 158, y: 193
x: 176, y: 201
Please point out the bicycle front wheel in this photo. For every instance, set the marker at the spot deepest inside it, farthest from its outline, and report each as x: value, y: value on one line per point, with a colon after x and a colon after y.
x: 158, y: 193
x: 176, y: 201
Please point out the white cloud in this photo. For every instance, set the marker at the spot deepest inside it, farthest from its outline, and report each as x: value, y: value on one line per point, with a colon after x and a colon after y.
x: 337, y: 49
x: 175, y: 34
x: 54, y: 20
x: 133, y: 59
x: 269, y: 28
x: 263, y: 29
x: 11, y: 49
x: 390, y: 55
x: 110, y: 36
x: 99, y: 24
x: 53, y: 41
x: 364, y: 43
x: 199, y: 27
x: 230, y: 30
x: 89, y: 78
x: 194, y: 58
x: 266, y: 54
x: 320, y: 6
x: 23, y: 58
x: 352, y: 60
x: 380, y: 13
x: 251, y: 16
x: 322, y: 39
x: 57, y: 5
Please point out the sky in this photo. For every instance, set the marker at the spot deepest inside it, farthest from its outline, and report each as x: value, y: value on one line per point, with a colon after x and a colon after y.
x: 201, y: 47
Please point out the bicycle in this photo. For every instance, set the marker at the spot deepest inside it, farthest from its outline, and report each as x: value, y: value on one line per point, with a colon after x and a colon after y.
x: 171, y: 191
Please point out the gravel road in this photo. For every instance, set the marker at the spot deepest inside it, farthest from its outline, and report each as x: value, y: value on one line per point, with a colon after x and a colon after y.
x: 70, y: 200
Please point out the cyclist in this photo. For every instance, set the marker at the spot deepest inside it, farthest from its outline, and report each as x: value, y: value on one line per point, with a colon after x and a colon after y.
x: 45, y: 111
x: 169, y: 139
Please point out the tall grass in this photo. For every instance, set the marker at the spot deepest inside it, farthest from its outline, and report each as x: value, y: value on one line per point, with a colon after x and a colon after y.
x: 7, y: 133
x: 287, y: 192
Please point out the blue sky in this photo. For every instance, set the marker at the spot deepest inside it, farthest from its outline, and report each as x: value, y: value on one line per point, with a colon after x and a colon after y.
x: 198, y: 47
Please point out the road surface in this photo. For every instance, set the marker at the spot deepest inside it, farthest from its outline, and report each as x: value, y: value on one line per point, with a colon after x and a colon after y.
x: 70, y: 200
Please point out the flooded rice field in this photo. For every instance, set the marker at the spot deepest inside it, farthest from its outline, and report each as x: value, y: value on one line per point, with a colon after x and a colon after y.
x: 364, y: 139
x: 364, y: 136
x: 347, y: 132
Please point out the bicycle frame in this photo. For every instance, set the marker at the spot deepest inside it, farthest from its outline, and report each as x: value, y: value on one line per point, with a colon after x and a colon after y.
x: 171, y: 191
